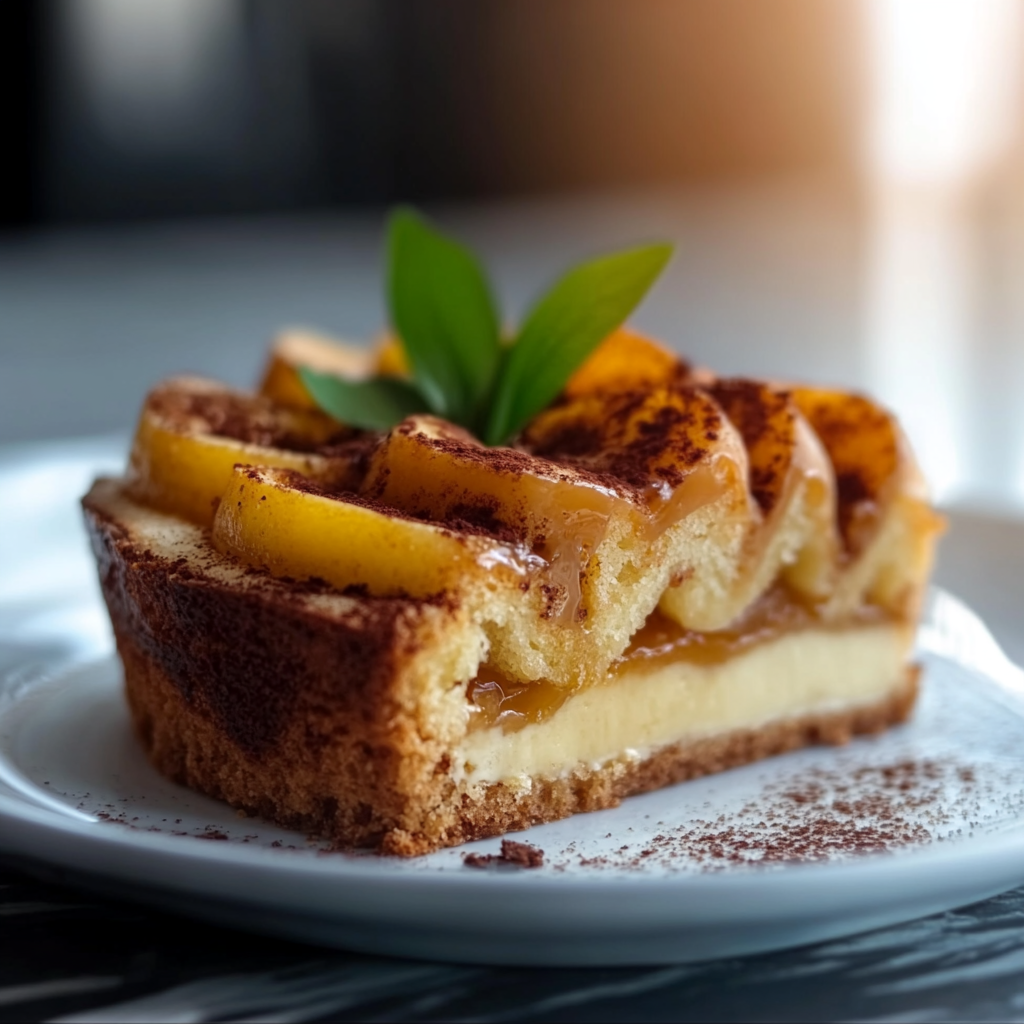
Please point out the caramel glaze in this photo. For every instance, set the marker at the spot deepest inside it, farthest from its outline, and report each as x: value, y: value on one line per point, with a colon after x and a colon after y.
x: 494, y: 699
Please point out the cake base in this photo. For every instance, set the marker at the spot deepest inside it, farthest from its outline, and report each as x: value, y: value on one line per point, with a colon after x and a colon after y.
x: 192, y: 750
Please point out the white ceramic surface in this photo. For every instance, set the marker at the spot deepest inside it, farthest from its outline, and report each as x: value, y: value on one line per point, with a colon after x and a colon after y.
x: 76, y: 795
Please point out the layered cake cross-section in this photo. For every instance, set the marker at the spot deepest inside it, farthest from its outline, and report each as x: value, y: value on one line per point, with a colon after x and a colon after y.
x: 406, y: 638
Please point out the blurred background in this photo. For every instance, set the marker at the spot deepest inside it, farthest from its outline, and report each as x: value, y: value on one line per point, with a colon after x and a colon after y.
x: 843, y: 181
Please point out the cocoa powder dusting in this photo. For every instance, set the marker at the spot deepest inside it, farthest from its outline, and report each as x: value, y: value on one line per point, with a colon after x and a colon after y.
x: 763, y: 416
x: 250, y: 419
x: 636, y: 443
x: 118, y: 816
x: 828, y: 815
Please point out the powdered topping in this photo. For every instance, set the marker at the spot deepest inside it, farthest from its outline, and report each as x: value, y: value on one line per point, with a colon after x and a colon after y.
x: 643, y: 439
x: 825, y: 814
x: 196, y: 406
x: 765, y: 419
x: 445, y: 438
x: 300, y: 482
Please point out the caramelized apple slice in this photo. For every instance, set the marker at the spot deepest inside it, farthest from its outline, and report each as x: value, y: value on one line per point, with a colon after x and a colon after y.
x: 626, y: 361
x: 672, y: 446
x: 788, y: 529
x: 192, y: 432
x: 647, y: 459
x: 864, y: 444
x: 438, y: 471
x: 687, y: 465
x: 278, y: 520
x: 792, y: 481
x: 887, y: 527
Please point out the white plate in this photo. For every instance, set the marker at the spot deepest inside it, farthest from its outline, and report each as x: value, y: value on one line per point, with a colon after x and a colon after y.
x: 665, y: 878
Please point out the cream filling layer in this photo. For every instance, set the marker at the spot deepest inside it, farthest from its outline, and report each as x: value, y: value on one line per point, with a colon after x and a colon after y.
x: 801, y: 673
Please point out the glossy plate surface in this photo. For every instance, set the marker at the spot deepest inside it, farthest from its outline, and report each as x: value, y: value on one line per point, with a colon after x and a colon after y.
x: 816, y: 844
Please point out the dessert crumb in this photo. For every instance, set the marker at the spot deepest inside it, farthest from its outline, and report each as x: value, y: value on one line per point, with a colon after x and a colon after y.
x: 520, y: 855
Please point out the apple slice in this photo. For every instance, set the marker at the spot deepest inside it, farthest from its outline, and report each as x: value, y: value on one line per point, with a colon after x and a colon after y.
x: 278, y: 520
x: 192, y: 432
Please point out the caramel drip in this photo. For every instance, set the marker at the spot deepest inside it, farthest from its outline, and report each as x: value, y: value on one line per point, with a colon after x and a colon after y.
x: 494, y: 699
x: 661, y: 641
x: 569, y: 549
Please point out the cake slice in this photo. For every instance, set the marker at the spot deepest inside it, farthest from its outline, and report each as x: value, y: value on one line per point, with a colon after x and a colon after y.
x: 353, y: 658
x: 340, y: 609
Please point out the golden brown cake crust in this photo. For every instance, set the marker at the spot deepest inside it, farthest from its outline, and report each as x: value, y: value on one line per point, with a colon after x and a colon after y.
x: 235, y: 691
x: 259, y: 694
x: 192, y: 750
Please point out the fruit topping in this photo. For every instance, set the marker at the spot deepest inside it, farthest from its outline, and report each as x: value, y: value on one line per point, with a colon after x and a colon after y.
x: 279, y: 521
x: 192, y: 433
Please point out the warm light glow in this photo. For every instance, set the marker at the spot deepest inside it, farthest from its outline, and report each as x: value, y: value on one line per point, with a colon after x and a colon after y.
x: 943, y: 118
x: 944, y: 81
x: 921, y: 280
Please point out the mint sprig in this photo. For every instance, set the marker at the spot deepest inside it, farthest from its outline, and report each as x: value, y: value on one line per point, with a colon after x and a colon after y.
x: 442, y: 309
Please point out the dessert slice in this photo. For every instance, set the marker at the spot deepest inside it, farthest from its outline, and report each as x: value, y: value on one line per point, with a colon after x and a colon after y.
x: 407, y: 638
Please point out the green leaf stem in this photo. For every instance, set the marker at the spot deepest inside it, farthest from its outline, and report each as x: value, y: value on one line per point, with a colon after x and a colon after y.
x: 375, y: 404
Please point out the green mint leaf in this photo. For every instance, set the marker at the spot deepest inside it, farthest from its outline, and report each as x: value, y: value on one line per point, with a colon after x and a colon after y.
x: 564, y: 327
x: 375, y: 404
x: 442, y: 309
